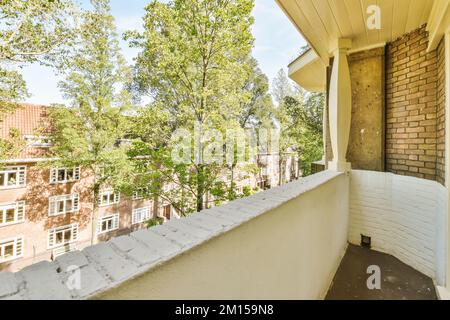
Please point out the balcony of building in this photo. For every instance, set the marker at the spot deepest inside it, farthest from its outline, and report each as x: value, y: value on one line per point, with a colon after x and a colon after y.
x: 385, y: 184
x: 284, y: 243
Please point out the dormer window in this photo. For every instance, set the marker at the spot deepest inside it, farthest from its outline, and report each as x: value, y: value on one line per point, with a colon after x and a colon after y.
x: 38, y: 141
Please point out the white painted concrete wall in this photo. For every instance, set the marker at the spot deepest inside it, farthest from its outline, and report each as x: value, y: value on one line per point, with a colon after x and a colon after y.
x: 289, y: 252
x: 405, y: 217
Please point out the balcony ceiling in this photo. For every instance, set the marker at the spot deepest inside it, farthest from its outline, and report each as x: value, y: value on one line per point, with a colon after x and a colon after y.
x: 322, y: 21
x: 309, y: 72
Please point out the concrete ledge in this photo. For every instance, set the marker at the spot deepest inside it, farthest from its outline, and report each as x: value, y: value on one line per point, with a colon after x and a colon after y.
x: 443, y: 293
x: 84, y: 274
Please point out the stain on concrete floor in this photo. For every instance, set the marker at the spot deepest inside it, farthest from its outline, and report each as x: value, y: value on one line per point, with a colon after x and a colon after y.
x: 398, y: 280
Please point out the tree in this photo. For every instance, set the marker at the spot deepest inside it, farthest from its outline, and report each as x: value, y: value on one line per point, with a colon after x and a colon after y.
x: 302, y: 124
x: 193, y: 63
x: 256, y: 107
x: 256, y: 112
x: 281, y: 87
x: 87, y: 133
x: 31, y: 31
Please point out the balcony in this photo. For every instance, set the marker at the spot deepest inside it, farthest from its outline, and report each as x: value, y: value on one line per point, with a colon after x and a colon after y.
x: 284, y: 243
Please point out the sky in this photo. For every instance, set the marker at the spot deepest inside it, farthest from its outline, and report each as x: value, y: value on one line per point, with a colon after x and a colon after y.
x: 277, y: 43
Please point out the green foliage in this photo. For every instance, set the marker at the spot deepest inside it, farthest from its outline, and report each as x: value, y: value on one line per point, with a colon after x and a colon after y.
x: 35, y: 30
x: 30, y: 31
x: 12, y: 90
x: 11, y: 146
x: 256, y: 107
x: 300, y: 116
x: 281, y: 87
x: 87, y: 133
x: 194, y: 64
x: 303, y: 116
x: 192, y: 56
x: 155, y: 222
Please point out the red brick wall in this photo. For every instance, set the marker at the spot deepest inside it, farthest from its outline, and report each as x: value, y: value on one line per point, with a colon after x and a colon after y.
x: 413, y: 121
x: 440, y: 166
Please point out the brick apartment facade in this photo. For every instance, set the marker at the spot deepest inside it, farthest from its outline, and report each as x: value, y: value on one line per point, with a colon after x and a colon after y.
x: 48, y: 212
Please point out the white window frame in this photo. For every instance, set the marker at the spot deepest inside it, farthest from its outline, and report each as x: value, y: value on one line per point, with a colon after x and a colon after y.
x: 73, y: 228
x: 114, y: 219
x: 54, y: 175
x: 21, y: 174
x: 19, y: 213
x: 53, y: 204
x: 18, y: 244
x: 140, y: 215
x: 109, y: 193
x: 139, y: 194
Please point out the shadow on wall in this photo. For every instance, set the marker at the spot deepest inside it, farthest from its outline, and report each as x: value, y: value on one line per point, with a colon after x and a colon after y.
x: 38, y: 193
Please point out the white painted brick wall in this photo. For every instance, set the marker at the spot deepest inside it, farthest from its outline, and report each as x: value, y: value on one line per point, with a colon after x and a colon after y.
x: 403, y: 215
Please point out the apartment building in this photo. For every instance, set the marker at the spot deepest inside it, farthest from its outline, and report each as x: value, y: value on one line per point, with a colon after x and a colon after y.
x: 46, y: 212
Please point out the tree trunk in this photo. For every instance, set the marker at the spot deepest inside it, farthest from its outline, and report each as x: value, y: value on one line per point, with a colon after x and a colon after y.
x: 200, y: 187
x: 280, y: 171
x: 232, y: 195
x: 94, y: 215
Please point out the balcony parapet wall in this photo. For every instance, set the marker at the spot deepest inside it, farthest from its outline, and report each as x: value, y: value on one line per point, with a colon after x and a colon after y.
x: 283, y: 243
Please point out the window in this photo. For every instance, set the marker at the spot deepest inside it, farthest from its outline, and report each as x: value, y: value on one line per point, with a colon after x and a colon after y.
x: 108, y: 223
x: 12, y: 177
x: 166, y: 211
x: 140, y: 215
x: 64, y: 175
x: 64, y: 204
x: 108, y: 198
x: 11, y: 249
x: 140, y: 194
x: 62, y: 235
x: 12, y: 213
x: 262, y: 184
x: 36, y: 141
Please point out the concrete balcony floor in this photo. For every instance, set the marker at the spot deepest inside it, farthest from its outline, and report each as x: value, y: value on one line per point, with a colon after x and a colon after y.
x: 398, y: 280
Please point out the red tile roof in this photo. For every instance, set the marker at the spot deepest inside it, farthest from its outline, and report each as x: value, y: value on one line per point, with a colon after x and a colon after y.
x: 28, y: 118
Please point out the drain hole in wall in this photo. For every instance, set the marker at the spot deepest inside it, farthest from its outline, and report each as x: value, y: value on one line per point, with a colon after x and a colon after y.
x: 366, y: 242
